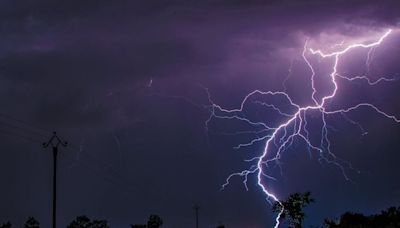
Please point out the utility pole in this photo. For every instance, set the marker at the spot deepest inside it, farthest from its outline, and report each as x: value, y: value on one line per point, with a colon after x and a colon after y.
x: 54, y: 141
x: 196, y: 211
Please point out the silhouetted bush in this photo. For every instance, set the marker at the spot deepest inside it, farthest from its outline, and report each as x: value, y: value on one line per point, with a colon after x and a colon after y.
x: 85, y: 222
x: 154, y: 221
x: 32, y: 223
x: 6, y: 225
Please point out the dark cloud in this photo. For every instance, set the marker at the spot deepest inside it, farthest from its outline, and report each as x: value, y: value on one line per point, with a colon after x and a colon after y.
x: 122, y: 80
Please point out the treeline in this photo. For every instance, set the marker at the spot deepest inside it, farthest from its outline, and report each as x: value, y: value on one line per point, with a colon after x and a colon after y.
x: 293, y: 215
x: 154, y: 221
x: 83, y: 221
x: 389, y: 218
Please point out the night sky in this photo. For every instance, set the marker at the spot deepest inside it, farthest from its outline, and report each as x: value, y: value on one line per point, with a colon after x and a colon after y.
x: 125, y: 83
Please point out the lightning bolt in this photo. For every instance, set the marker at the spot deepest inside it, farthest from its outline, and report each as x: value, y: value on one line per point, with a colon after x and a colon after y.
x: 279, y: 138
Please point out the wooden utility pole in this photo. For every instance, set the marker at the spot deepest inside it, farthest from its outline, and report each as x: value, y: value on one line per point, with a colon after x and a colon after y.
x: 54, y: 141
x: 196, y: 211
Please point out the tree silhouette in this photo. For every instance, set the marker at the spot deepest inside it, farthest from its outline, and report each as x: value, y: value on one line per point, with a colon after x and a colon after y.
x: 389, y: 218
x: 293, y: 208
x: 31, y: 223
x: 349, y: 219
x: 99, y: 224
x: 6, y: 225
x: 84, y: 222
x: 80, y: 222
x: 155, y: 221
x: 220, y: 225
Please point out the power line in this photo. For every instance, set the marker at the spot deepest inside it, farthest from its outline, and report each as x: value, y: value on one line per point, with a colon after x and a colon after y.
x: 19, y: 129
x: 8, y: 133
x: 26, y: 123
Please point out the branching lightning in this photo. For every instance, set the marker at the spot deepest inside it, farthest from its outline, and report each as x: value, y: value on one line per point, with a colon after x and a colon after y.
x: 279, y: 138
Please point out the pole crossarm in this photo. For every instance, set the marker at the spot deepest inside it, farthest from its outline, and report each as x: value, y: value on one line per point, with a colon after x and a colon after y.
x: 55, y: 141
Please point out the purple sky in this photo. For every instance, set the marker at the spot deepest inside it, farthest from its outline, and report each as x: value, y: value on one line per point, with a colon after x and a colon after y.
x: 84, y: 68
